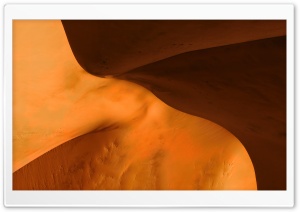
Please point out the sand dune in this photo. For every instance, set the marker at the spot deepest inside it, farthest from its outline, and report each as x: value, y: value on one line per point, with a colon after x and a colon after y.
x: 162, y: 149
x: 97, y: 45
x: 149, y: 127
x: 241, y: 87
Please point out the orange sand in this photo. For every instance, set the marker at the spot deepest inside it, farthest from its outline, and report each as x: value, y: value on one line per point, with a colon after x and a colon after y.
x: 105, y: 133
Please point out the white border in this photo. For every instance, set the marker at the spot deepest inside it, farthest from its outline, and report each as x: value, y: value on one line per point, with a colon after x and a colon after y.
x: 146, y: 198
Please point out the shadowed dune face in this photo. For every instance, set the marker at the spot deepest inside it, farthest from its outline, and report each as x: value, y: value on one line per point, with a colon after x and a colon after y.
x: 136, y: 43
x: 242, y: 87
x: 73, y: 130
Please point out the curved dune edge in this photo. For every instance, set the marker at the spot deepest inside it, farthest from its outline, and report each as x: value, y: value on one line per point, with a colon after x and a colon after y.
x: 98, y: 44
x: 25, y: 170
x: 241, y: 87
x: 158, y: 152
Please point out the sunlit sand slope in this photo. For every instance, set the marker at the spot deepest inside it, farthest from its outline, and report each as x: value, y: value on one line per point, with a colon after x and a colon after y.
x: 73, y: 130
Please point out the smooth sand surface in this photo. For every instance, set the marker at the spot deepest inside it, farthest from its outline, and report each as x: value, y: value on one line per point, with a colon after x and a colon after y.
x: 104, y: 47
x: 241, y: 87
x: 232, y: 72
x: 161, y: 148
x: 73, y: 130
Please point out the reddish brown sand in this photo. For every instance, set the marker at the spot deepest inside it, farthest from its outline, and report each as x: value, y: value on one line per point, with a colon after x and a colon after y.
x: 111, y: 47
x: 240, y: 87
x: 127, y: 138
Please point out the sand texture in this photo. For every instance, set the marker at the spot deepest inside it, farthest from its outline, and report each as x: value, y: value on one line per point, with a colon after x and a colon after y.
x: 149, y: 105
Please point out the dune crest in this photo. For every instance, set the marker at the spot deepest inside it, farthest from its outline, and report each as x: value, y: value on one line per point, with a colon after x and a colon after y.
x: 73, y: 130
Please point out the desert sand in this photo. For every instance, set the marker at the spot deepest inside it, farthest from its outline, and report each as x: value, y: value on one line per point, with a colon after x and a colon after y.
x: 167, y: 119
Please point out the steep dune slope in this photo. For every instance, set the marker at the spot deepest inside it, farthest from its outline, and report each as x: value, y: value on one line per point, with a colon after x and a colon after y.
x: 104, y: 47
x: 242, y: 87
x: 134, y: 130
x: 161, y: 149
